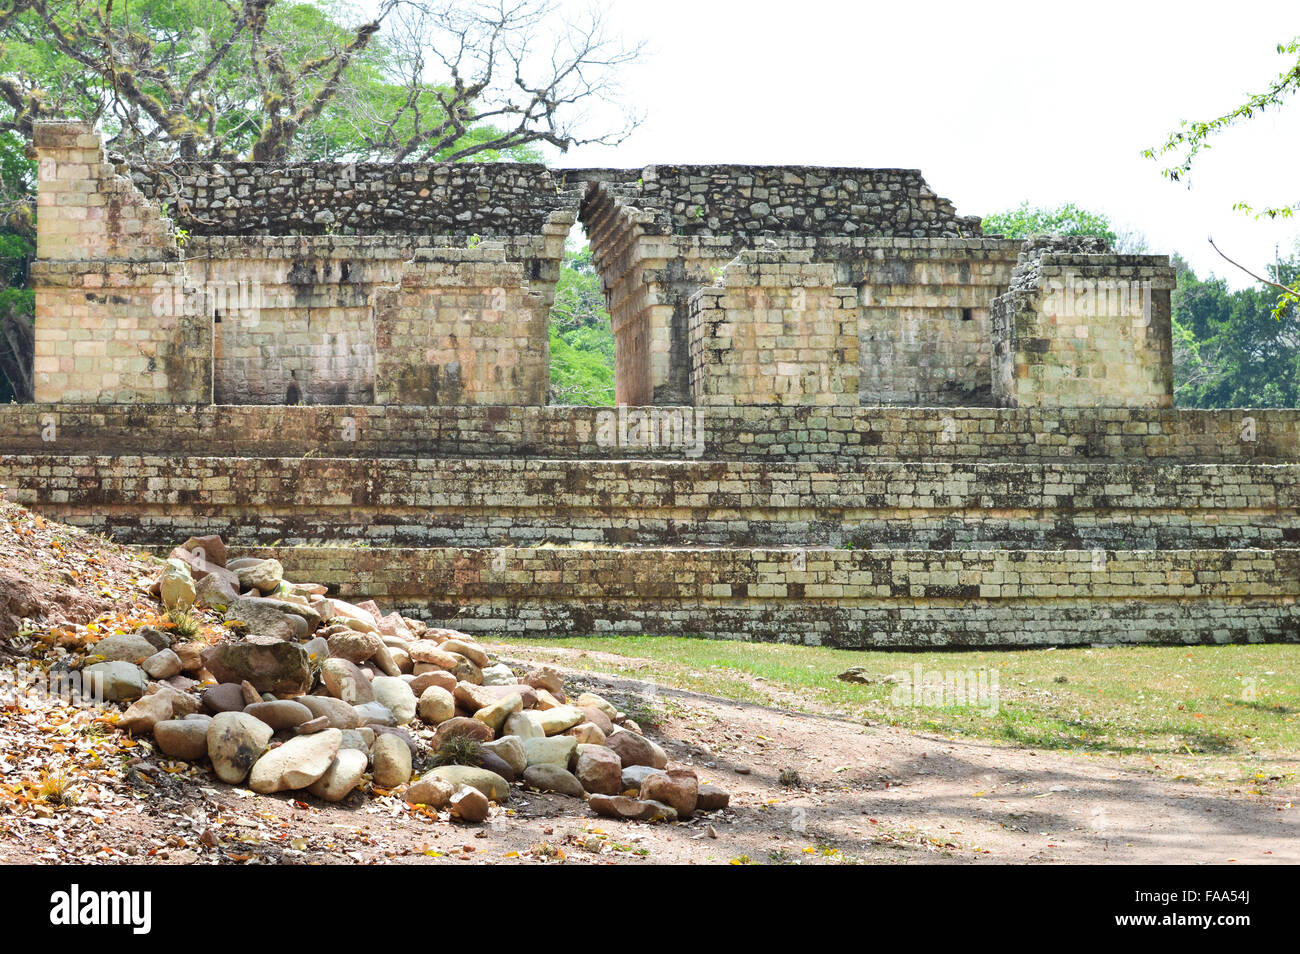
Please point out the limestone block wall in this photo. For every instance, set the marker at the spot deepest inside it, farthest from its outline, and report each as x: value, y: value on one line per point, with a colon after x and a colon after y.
x: 925, y: 337
x: 776, y: 330
x: 849, y: 599
x: 842, y: 434
x: 488, y: 503
x: 292, y: 318
x: 1081, y: 329
x: 265, y: 301
x: 461, y: 327
x: 967, y: 526
x: 275, y: 294
x: 103, y: 334
x: 649, y: 274
x: 88, y: 212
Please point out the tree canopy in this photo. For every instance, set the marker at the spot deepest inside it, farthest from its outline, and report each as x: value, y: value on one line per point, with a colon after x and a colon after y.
x: 288, y: 80
x: 1068, y: 219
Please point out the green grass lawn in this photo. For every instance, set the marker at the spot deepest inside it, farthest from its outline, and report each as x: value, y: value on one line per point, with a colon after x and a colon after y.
x: 1226, y: 712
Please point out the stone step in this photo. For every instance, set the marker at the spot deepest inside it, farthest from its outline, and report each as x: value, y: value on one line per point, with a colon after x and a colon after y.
x: 469, y: 502
x: 667, y: 433
x: 852, y: 599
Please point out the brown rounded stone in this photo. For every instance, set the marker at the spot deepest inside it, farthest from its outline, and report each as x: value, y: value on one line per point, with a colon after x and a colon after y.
x: 438, y: 677
x: 676, y: 787
x: 280, y: 714
x: 459, y: 725
x: 226, y: 697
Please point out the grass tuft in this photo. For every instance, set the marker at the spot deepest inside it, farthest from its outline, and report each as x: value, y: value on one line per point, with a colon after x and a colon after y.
x: 55, y: 788
x: 185, y: 625
x: 459, y: 750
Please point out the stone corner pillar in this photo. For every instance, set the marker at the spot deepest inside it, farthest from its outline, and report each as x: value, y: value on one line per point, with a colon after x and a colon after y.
x: 1083, y: 328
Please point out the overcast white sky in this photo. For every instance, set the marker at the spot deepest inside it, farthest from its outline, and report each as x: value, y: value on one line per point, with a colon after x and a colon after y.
x: 995, y: 102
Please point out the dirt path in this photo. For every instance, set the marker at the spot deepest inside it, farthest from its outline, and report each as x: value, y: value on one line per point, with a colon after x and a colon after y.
x: 864, y: 794
x: 886, y: 794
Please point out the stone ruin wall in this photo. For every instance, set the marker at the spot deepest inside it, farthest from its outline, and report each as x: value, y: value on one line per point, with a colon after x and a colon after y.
x: 798, y: 343
x: 101, y: 249
x: 275, y: 294
x: 841, y: 436
x: 863, y: 423
x: 1078, y: 326
x: 843, y: 526
x: 329, y: 283
x: 922, y: 276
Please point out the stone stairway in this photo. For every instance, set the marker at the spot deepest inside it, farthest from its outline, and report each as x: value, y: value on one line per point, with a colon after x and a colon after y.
x: 846, y: 526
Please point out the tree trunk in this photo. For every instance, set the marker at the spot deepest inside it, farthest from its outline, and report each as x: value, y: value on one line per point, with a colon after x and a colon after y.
x: 17, y: 354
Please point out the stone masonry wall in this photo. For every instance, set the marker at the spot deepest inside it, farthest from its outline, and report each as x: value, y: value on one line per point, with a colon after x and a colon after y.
x: 962, y: 550
x: 462, y: 328
x: 125, y: 314
x: 719, y: 433
x: 293, y: 319
x: 1081, y: 329
x: 102, y: 250
x: 502, y: 199
x: 808, y: 200
x: 88, y: 212
x: 394, y: 320
x: 777, y: 330
x: 266, y: 301
x: 103, y: 336
x: 849, y: 599
x: 380, y: 198
x: 488, y: 503
x: 923, y: 337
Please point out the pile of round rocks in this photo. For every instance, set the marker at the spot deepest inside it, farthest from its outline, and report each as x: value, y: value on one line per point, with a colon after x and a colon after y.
x: 314, y: 693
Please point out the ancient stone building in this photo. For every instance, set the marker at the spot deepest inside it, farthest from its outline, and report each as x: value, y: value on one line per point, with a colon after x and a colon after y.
x: 846, y: 416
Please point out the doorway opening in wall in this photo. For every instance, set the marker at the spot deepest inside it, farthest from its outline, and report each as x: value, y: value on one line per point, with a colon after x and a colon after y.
x: 582, y: 340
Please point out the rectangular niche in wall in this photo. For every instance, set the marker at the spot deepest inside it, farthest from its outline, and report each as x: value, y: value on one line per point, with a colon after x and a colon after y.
x: 292, y: 329
x: 291, y: 360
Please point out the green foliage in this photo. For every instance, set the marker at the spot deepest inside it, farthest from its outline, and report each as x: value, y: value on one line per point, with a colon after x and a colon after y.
x: 582, y: 341
x: 581, y: 375
x: 1193, y: 137
x: 579, y: 301
x: 195, y: 78
x: 1068, y: 219
x: 1234, y: 348
x: 17, y: 237
x: 185, y: 625
x: 17, y: 229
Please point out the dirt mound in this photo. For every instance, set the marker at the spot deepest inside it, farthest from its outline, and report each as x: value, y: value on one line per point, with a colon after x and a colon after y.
x: 46, y: 604
x: 54, y: 575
